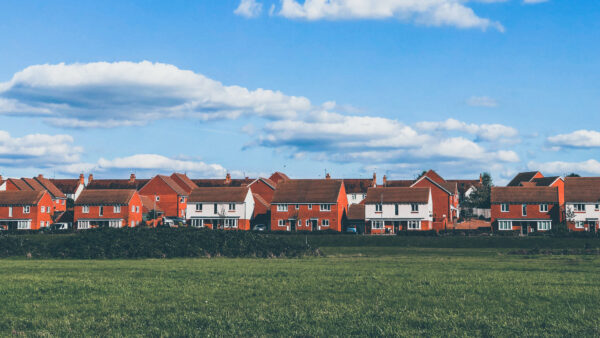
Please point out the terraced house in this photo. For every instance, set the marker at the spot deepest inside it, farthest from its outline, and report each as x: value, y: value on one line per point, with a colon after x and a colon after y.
x: 308, y: 205
x: 525, y: 209
x: 228, y: 208
x: 25, y: 210
x: 170, y: 196
x: 582, y: 203
x: 39, y: 183
x: 390, y: 210
x: 115, y: 208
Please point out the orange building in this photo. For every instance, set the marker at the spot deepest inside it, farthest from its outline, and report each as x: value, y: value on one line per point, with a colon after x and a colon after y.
x: 25, y: 210
x: 170, y: 196
x: 115, y: 208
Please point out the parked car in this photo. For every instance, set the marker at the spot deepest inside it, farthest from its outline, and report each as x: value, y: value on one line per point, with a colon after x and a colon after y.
x: 351, y: 230
x: 260, y: 227
x: 59, y: 226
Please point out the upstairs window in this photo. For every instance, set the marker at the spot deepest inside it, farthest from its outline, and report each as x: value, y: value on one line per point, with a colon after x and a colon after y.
x: 101, y: 210
x: 9, y: 211
x: 310, y: 207
x: 282, y: 207
x: 117, y: 209
x: 579, y: 207
x: 597, y: 207
x: 325, y: 207
x: 231, y: 206
x: 133, y: 208
x: 397, y: 209
x: 157, y: 198
x: 353, y: 196
x: 137, y: 208
x: 543, y: 207
x: 199, y: 207
x: 43, y: 209
x: 182, y: 200
x: 524, y: 209
x: 215, y: 211
x: 26, y: 209
x: 504, y: 207
x: 378, y: 207
x: 414, y: 207
x: 85, y: 209
x: 297, y: 206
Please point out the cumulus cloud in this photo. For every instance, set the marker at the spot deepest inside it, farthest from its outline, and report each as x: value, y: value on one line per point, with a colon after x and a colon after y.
x: 425, y: 12
x: 577, y: 139
x: 103, y: 94
x: 590, y: 167
x: 249, y: 9
x: 39, y: 150
x: 484, y: 132
x: 482, y: 101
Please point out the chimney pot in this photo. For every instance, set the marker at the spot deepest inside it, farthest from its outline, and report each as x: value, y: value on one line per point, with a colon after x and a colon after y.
x: 90, y: 178
x: 228, y: 178
x: 132, y: 178
x: 327, y: 176
x: 40, y: 176
x: 81, y: 179
x: 384, y: 180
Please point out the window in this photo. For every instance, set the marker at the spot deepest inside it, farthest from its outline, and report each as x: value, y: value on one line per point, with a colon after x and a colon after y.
x: 182, y: 199
x: 504, y: 207
x: 198, y: 223
x: 297, y: 206
x: 47, y: 223
x: 42, y: 224
x: 63, y: 202
x: 132, y: 224
x: 9, y: 211
x: 101, y: 210
x: 504, y: 225
x: 137, y: 208
x: 230, y: 223
x: 414, y: 207
x: 414, y: 225
x: 524, y: 209
x: 307, y: 223
x: 23, y: 225
x: 133, y: 208
x: 579, y: 207
x: 310, y: 207
x: 43, y: 209
x: 281, y: 223
x: 543, y: 207
x: 85, y: 209
x: 48, y: 209
x: 325, y: 207
x: 199, y: 207
x: 282, y: 207
x: 299, y: 223
x: 378, y: 207
x: 377, y: 225
x: 579, y: 224
x: 597, y: 207
x: 83, y: 224
x: 26, y: 209
x: 215, y: 209
x: 157, y: 198
x: 182, y: 212
x: 114, y: 224
x: 353, y: 197
x: 117, y: 209
x: 325, y: 223
x: 397, y: 209
x: 231, y: 206
x: 544, y: 225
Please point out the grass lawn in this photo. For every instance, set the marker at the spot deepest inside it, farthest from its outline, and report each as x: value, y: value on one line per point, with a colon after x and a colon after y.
x: 352, y: 291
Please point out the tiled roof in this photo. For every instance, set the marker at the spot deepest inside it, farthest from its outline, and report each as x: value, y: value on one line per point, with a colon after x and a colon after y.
x: 67, y: 186
x: 357, y: 185
x: 545, y: 181
x: 356, y: 212
x: 307, y: 191
x: 582, y: 189
x: 464, y: 185
x: 136, y: 184
x: 28, y: 197
x: 218, y: 194
x: 148, y: 204
x: 35, y: 185
x: 399, y: 183
x: 259, y: 199
x: 524, y: 194
x: 184, y: 182
x: 65, y: 217
x: 269, y: 182
x: 173, y: 185
x: 20, y: 184
x: 522, y: 177
x: 54, y: 191
x: 397, y: 195
x: 222, y: 182
x: 278, y: 177
x: 105, y: 196
x: 434, y: 176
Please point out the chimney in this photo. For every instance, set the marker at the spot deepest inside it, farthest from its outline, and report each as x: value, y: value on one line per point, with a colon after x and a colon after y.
x: 374, y: 179
x: 228, y: 178
x: 81, y: 179
x: 132, y: 178
x: 327, y: 176
x: 384, y: 180
x: 40, y: 176
x: 90, y: 178
x: 480, y: 178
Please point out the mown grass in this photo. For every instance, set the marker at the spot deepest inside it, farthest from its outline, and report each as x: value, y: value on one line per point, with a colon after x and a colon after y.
x: 389, y: 291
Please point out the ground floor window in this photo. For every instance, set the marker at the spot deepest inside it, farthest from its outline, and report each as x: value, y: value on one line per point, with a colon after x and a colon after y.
x: 114, y: 224
x: 23, y: 225
x: 579, y: 224
x: 505, y: 225
x: 377, y: 225
x: 325, y: 223
x: 83, y: 224
x: 231, y: 223
x: 544, y: 225
x: 198, y: 223
x: 414, y: 225
x: 281, y: 223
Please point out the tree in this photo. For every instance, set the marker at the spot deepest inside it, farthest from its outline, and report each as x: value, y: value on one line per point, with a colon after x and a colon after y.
x: 481, y: 196
x: 573, y: 175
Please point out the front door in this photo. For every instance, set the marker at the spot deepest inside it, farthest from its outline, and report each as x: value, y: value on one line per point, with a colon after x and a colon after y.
x: 314, y: 224
x: 524, y: 228
x: 292, y: 225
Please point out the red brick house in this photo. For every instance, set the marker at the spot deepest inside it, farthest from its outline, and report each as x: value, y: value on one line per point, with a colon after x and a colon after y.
x: 445, y: 198
x: 25, y: 210
x: 152, y: 214
x: 115, y: 208
x: 278, y: 177
x: 536, y: 179
x: 308, y: 205
x: 582, y: 203
x: 37, y: 184
x: 184, y: 181
x: 524, y: 209
x: 356, y: 188
x: 169, y: 195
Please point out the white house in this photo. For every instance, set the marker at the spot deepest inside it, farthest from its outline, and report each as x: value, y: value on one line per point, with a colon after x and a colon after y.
x: 391, y: 209
x: 229, y: 208
x: 356, y: 188
x: 582, y: 203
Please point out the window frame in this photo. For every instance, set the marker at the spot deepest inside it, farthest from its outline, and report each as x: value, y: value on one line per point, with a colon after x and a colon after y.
x: 199, y: 207
x: 26, y: 209
x: 282, y: 207
x: 544, y: 209
x: 101, y: 210
x: 325, y: 223
x: 378, y: 207
x: 325, y: 207
x: 579, y: 207
x: 281, y: 223
x: 231, y: 207
x: 413, y: 225
x: 377, y: 225
x: 504, y: 207
x: 504, y: 225
x: 579, y: 224
x: 116, y: 209
x: 524, y: 209
x: 544, y: 225
x: 85, y: 209
x: 414, y: 207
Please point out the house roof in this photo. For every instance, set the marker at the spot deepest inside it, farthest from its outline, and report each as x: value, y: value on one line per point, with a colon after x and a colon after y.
x: 545, y: 181
x: 258, y: 199
x: 464, y: 185
x: 219, y: 182
x: 356, y: 212
x: 105, y: 197
x: 399, y: 183
x: 218, y: 194
x: 268, y: 181
x: 184, y: 181
x: 29, y: 197
x: 397, y: 195
x: 357, y: 185
x: 118, y: 184
x: 434, y: 176
x: 20, y: 184
x: 53, y: 189
x: 67, y: 186
x: 524, y: 194
x: 582, y: 189
x: 307, y: 191
x: 278, y: 176
x: 148, y: 204
x: 522, y: 177
x: 65, y: 217
x: 173, y: 185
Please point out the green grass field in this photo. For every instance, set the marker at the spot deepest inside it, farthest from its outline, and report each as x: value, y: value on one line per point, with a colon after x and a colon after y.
x: 352, y: 291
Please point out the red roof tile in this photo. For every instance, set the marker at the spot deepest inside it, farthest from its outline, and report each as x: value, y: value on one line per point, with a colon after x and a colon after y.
x: 356, y: 212
x: 28, y: 197
x: 307, y: 191
x: 524, y: 195
x: 397, y: 195
x: 582, y: 189
x: 105, y: 196
x: 219, y: 194
x: 184, y: 182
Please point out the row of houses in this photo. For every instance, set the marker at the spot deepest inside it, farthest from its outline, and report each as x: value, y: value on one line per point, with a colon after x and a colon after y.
x: 530, y: 202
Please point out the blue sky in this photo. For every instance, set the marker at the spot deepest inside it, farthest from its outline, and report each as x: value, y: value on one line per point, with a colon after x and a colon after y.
x: 348, y: 87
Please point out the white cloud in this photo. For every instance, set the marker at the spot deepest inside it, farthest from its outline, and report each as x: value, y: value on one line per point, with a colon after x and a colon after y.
x: 424, y: 12
x: 39, y: 150
x: 577, y: 139
x: 482, y: 101
x: 249, y: 9
x: 103, y: 94
x: 485, y: 132
x: 590, y: 167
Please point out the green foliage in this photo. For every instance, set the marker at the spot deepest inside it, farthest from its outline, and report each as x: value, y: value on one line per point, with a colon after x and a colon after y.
x: 481, y: 197
x: 573, y: 175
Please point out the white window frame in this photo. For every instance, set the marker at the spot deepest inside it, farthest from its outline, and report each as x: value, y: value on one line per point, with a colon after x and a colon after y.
x: 505, y: 225
x: 117, y: 209
x: 43, y: 209
x: 137, y: 208
x: 414, y: 207
x: 544, y: 225
x: 544, y: 207
x: 282, y: 207
x: 354, y: 197
x: 157, y: 198
x: 199, y: 207
x: 579, y: 224
x: 378, y: 207
x: 23, y: 225
x: 26, y: 209
x: 297, y: 206
x: 83, y: 224
x: 325, y: 223
x: 41, y: 224
x: 10, y: 212
x: 414, y: 225
x: 579, y: 207
x: 325, y: 207
x: 63, y: 202
x: 132, y: 224
x: 377, y: 225
x: 101, y: 210
x: 597, y: 207
x: 85, y: 209
x: 197, y: 222
x: 307, y: 223
x: 310, y: 207
x: 182, y: 199
x: 230, y: 223
x: 114, y: 223
x: 281, y: 223
x: 231, y: 206
x: 504, y: 207
x: 524, y: 209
